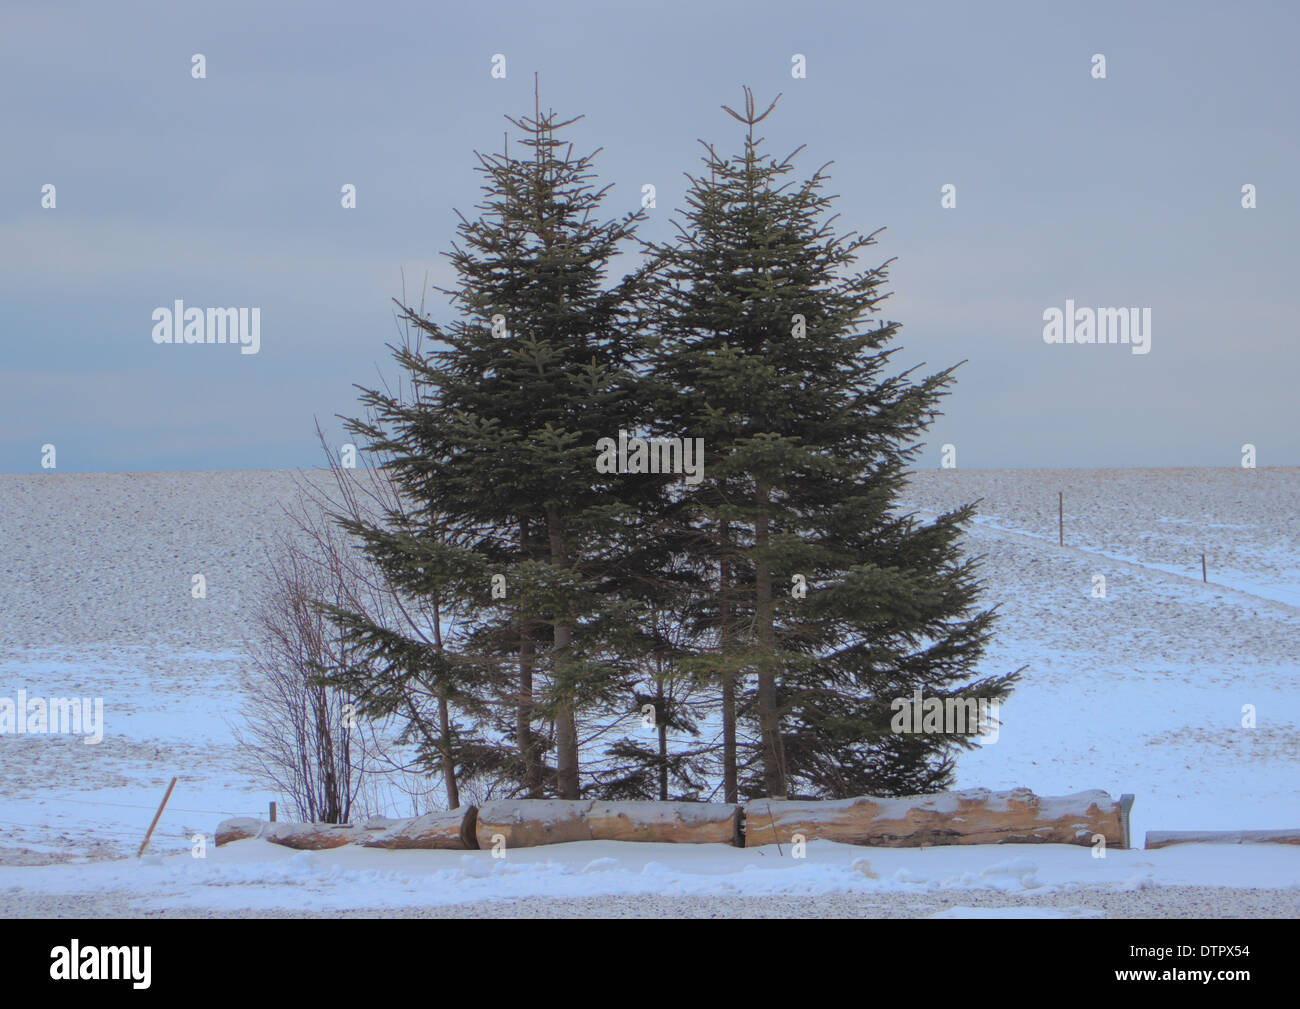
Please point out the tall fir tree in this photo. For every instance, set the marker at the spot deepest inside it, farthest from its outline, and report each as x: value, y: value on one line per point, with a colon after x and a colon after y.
x: 824, y: 598
x: 496, y: 446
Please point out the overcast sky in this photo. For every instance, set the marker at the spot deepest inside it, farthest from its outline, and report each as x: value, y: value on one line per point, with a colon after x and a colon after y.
x: 1116, y: 192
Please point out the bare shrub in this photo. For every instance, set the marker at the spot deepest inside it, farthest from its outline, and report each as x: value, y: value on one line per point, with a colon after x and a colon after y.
x: 301, y: 734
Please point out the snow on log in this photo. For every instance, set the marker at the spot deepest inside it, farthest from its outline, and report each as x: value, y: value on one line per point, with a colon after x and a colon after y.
x: 677, y: 822
x: 238, y: 829
x: 383, y: 822
x: 1164, y: 838
x: 526, y: 823
x: 311, y: 836
x: 434, y: 830
x: 975, y: 816
x: 448, y: 830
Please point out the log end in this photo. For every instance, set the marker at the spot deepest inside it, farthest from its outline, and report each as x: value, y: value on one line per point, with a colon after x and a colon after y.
x: 469, y: 829
x: 449, y: 830
x: 238, y: 828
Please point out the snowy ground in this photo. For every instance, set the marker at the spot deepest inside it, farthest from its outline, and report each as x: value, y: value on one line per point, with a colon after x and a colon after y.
x: 1141, y: 692
x: 624, y: 879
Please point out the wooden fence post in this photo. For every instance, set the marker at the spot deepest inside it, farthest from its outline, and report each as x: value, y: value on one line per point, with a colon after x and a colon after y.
x: 156, y: 817
x: 273, y: 812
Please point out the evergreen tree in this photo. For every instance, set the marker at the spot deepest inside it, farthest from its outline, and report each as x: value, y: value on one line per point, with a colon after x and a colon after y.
x: 496, y: 445
x: 766, y: 351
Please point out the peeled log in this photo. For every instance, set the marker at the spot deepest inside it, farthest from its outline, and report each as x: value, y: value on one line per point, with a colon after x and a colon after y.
x: 452, y: 830
x: 312, y: 836
x: 375, y: 824
x: 975, y: 816
x: 673, y: 822
x: 527, y: 823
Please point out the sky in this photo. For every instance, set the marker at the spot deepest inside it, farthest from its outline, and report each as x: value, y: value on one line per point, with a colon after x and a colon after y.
x: 1117, y: 191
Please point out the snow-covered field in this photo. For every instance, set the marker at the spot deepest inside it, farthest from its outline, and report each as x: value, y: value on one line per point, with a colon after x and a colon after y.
x: 1140, y: 691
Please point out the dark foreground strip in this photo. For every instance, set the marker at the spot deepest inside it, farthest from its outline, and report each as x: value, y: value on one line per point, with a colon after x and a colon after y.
x: 201, y: 960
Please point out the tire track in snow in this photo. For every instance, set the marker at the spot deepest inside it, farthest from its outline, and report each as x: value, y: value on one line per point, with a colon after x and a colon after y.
x: 1169, y: 576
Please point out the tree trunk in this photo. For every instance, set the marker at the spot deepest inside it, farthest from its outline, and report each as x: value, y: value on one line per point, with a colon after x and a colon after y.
x: 661, y: 718
x: 729, y: 789
x: 566, y: 731
x: 448, y: 761
x: 765, y: 624
x: 524, y: 740
x: 326, y: 782
x: 444, y: 721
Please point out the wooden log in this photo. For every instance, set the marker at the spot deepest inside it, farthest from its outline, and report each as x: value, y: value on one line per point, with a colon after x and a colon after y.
x: 1164, y: 838
x: 453, y: 830
x: 312, y: 836
x: 531, y: 822
x: 384, y: 822
x: 527, y: 823
x: 238, y: 829
x: 976, y: 816
x: 666, y: 822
